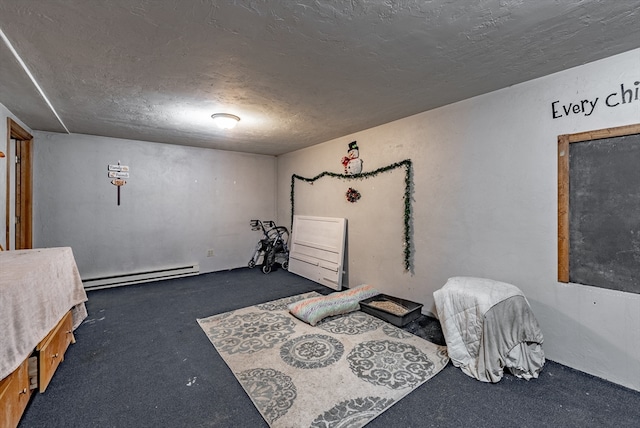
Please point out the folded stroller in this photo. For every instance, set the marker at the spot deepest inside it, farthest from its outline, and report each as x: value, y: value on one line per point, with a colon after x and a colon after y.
x: 272, y: 248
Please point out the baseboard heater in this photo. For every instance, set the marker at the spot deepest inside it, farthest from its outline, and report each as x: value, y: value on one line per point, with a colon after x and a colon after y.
x: 140, y: 277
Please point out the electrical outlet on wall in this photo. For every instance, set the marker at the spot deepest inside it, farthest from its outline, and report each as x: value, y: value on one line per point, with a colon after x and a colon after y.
x: 210, y: 253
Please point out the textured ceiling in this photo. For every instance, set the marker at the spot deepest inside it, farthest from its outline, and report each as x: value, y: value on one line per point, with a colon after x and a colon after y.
x: 297, y: 73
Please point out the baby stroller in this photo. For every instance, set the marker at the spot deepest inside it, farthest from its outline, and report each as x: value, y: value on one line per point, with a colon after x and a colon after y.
x: 272, y: 248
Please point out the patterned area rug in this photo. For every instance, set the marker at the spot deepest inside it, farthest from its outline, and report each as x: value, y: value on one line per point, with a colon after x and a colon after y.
x: 343, y: 372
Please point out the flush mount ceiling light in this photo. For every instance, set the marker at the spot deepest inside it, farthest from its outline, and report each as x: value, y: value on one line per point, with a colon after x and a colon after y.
x: 225, y: 120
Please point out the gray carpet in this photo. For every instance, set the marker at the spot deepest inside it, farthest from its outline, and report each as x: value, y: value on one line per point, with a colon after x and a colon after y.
x: 342, y: 372
x: 141, y: 360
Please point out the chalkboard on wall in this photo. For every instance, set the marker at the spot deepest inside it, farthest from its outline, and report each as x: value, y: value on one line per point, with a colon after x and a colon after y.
x: 599, y: 208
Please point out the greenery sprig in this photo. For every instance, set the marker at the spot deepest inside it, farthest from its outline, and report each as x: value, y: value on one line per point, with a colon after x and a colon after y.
x: 406, y: 164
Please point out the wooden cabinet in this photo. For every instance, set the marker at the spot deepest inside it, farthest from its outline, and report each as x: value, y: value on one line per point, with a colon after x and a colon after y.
x: 51, y: 350
x: 16, y: 389
x: 14, y: 395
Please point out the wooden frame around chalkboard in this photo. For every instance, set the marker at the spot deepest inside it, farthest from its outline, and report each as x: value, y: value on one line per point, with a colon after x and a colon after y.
x: 564, y: 142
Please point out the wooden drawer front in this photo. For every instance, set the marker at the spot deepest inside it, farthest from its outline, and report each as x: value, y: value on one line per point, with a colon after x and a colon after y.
x: 14, y: 396
x: 52, y: 348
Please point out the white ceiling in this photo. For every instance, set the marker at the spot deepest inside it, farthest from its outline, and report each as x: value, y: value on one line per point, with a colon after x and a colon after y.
x: 297, y: 73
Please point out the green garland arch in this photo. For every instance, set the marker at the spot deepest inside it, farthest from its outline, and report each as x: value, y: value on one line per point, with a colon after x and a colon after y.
x: 406, y: 164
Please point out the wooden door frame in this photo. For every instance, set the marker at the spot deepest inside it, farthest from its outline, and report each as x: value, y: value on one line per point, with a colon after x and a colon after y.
x: 24, y: 187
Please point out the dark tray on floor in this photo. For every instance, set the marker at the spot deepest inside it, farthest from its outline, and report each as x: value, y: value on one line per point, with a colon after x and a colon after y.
x: 413, y: 309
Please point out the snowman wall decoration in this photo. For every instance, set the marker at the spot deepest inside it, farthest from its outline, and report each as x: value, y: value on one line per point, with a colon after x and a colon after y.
x: 352, y: 162
x: 352, y: 166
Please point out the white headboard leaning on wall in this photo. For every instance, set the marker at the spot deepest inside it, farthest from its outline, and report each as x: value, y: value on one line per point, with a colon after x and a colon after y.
x: 316, y: 251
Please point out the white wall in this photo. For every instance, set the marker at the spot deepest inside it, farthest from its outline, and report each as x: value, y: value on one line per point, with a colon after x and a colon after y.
x: 178, y: 203
x: 484, y: 204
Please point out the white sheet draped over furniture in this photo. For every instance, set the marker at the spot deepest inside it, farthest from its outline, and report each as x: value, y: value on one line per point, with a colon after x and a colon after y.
x: 488, y: 325
x: 37, y: 288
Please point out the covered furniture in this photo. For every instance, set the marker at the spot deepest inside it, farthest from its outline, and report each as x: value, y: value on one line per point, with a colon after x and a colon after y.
x: 489, y: 326
x: 42, y: 302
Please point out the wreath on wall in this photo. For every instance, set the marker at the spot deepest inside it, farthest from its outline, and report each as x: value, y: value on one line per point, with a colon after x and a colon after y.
x: 353, y: 195
x: 406, y: 164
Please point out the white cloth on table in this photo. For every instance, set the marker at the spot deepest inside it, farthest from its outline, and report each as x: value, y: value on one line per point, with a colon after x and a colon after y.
x: 488, y: 325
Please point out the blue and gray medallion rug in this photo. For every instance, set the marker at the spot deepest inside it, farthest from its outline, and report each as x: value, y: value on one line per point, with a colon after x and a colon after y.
x: 343, y: 372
